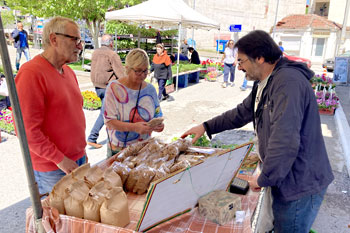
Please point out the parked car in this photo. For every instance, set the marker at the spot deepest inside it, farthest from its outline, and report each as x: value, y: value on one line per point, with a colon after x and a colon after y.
x: 87, y: 40
x: 298, y: 59
x: 329, y: 62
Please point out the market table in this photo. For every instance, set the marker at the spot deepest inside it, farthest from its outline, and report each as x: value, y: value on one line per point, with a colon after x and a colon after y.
x: 188, y: 222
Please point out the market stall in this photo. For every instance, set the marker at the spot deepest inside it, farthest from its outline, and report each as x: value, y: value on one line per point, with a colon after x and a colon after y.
x: 170, y: 202
x: 164, y: 13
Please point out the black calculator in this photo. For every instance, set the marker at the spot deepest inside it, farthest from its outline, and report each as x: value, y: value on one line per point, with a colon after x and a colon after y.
x: 239, y: 186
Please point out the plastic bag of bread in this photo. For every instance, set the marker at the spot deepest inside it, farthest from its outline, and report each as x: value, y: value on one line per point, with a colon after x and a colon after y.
x: 93, y: 201
x: 80, y: 172
x: 179, y: 165
x: 192, y: 159
x: 130, y: 162
x: 73, y: 203
x: 132, y: 179
x: 58, y: 193
x: 93, y: 175
x: 122, y: 170
x: 114, y: 209
x: 111, y: 178
x: 161, y: 172
x: 144, y: 178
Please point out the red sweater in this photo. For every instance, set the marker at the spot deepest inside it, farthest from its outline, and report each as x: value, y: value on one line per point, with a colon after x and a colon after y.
x: 52, y: 109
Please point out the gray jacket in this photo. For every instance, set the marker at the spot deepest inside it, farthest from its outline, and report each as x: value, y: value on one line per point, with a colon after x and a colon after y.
x: 295, y: 161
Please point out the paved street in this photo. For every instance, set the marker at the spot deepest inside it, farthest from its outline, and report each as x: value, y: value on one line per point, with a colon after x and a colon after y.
x: 188, y: 107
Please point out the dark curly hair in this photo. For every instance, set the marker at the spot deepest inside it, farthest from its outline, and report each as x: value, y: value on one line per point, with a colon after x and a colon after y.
x: 258, y: 44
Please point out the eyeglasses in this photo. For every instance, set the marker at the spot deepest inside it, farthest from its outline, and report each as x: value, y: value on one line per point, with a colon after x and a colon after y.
x: 240, y: 62
x: 140, y: 72
x: 75, y: 38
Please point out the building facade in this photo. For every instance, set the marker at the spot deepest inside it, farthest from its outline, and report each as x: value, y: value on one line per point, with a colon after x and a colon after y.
x: 251, y: 14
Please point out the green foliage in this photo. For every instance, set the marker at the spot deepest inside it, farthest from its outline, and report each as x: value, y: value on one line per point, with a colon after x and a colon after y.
x: 184, y: 66
x: 92, y: 12
x: 7, y: 18
x: 78, y: 65
x: 202, y: 141
x: 127, y: 29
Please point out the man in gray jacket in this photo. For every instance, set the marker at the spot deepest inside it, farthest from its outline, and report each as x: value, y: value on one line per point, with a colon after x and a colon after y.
x: 106, y: 66
x: 283, y: 108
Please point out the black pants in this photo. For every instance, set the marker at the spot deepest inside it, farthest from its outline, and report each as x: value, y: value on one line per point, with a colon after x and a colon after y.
x: 161, y: 88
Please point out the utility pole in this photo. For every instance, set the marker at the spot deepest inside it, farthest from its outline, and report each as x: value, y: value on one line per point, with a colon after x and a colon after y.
x: 194, y: 7
x: 343, y: 30
x: 274, y: 25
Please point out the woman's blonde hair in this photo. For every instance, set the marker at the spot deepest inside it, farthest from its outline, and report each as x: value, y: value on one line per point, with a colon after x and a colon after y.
x: 228, y: 42
x: 57, y: 24
x: 136, y: 58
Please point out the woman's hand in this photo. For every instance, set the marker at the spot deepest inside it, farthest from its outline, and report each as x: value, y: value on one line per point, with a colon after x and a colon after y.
x: 142, y: 128
x: 198, y: 131
x: 159, y: 128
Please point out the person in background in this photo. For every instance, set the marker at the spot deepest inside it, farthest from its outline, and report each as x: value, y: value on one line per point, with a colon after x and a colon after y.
x: 229, y: 60
x: 184, y: 49
x: 106, y: 66
x: 52, y: 105
x: 130, y: 103
x: 280, y: 46
x: 4, y: 95
x: 20, y: 37
x: 162, y: 70
x: 158, y: 37
x: 194, y: 56
x: 244, y: 84
x: 284, y: 112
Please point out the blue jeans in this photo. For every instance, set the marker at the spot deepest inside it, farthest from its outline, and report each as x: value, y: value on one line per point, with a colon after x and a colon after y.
x: 296, y: 216
x: 95, y: 131
x: 46, y: 180
x: 229, y: 69
x: 19, y: 51
x: 244, y: 85
x: 161, y: 88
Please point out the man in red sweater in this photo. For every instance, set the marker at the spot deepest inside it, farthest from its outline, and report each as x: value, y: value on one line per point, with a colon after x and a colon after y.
x: 51, y: 105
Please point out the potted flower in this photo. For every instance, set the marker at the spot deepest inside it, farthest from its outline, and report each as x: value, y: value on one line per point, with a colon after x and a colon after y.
x: 6, y: 121
x: 327, y: 102
x: 91, y: 100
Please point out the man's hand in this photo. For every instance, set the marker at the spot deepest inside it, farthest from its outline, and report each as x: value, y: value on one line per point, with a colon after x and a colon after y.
x: 198, y: 131
x: 254, y: 186
x: 67, y: 165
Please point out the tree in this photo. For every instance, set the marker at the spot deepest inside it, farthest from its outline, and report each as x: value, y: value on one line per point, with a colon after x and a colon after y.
x: 91, y: 11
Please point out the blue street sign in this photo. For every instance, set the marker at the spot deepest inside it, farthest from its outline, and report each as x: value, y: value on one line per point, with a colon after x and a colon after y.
x: 235, y: 28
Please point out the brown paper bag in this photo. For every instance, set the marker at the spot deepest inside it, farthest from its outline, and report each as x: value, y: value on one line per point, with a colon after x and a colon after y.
x: 93, y: 201
x: 114, y: 209
x: 58, y: 193
x: 93, y: 175
x: 77, y: 193
x: 80, y: 172
x: 112, y: 179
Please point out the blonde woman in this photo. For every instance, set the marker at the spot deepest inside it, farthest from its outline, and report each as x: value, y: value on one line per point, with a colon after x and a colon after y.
x: 129, y: 104
x: 229, y: 59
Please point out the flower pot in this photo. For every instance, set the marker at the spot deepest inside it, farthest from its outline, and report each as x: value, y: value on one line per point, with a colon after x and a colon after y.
x: 325, y: 111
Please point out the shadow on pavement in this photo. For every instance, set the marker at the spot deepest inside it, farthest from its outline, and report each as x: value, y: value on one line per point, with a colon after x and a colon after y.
x: 13, y: 218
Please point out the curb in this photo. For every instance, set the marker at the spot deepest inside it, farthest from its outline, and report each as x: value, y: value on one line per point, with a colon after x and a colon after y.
x: 344, y: 134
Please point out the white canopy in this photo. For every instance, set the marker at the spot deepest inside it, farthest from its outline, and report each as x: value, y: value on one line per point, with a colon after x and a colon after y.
x: 163, y: 13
